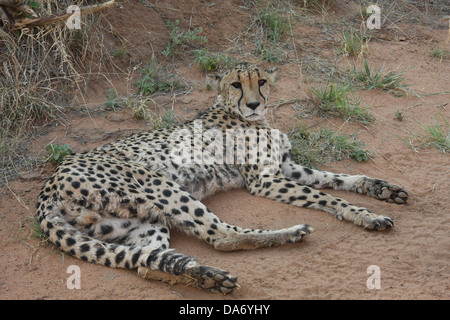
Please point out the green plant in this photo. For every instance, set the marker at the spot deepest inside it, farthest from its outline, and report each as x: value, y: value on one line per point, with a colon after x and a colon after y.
x: 180, y: 38
x: 378, y: 79
x: 164, y: 121
x: 275, y: 24
x: 111, y: 97
x: 353, y: 44
x: 363, y: 11
x: 436, y: 136
x: 152, y: 81
x: 120, y: 52
x: 210, y: 62
x: 140, y: 111
x: 33, y: 4
x: 314, y: 148
x: 56, y: 153
x: 167, y: 120
x: 337, y: 99
x: 269, y: 52
x: 138, y: 106
x: 37, y: 232
x: 440, y: 53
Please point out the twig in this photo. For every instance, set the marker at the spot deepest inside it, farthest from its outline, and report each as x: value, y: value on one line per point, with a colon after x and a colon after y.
x: 280, y: 103
x: 413, y: 106
x: 32, y: 253
x: 27, y: 22
x: 389, y: 160
x: 18, y: 198
x: 16, y: 5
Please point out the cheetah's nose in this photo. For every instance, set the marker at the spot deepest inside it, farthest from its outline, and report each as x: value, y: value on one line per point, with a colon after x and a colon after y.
x: 253, y: 105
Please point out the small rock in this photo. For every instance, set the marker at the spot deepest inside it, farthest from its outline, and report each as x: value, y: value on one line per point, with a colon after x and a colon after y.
x: 29, y: 175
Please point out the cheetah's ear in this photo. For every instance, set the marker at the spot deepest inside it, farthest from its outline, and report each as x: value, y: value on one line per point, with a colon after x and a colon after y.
x: 213, y: 81
x: 271, y: 74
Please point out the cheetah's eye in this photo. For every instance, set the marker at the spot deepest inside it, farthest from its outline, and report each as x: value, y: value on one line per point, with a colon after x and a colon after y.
x: 237, y: 85
x: 262, y: 82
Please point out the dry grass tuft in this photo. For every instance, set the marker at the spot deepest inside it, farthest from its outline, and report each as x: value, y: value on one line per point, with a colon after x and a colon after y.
x: 41, y: 67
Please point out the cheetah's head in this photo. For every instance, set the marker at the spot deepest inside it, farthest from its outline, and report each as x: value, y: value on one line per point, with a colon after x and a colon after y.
x: 245, y: 90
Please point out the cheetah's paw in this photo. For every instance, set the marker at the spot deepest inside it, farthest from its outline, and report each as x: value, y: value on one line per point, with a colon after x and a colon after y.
x: 213, y: 279
x: 392, y: 193
x: 379, y: 223
x: 300, y: 233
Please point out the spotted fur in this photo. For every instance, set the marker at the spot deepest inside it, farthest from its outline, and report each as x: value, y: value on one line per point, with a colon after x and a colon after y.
x: 115, y: 205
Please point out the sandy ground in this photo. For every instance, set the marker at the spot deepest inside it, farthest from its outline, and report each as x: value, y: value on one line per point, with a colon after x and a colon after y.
x: 413, y: 258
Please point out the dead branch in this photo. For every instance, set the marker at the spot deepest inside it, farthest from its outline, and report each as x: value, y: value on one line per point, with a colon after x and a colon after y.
x: 16, y: 5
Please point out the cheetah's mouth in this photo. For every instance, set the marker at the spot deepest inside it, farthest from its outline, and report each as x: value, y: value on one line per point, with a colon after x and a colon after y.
x: 253, y: 116
x: 256, y: 116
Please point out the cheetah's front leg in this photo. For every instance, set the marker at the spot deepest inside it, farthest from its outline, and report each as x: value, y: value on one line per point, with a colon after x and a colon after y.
x: 279, y: 188
x: 379, y: 189
x: 164, y: 201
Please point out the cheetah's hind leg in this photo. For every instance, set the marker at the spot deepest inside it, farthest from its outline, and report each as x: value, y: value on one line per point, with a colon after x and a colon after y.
x: 201, y: 276
x: 156, y: 237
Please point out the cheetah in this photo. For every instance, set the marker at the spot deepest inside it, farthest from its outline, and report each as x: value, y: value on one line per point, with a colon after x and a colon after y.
x: 115, y: 205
